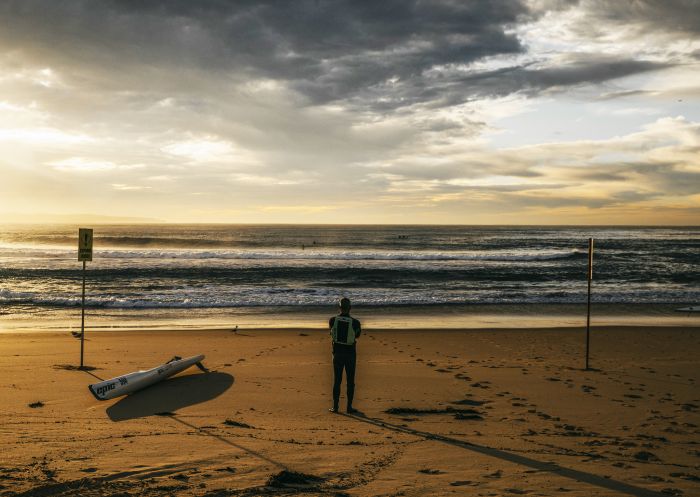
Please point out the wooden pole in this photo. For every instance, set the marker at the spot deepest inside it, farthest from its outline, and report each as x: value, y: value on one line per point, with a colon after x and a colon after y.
x: 82, y: 322
x: 588, y: 314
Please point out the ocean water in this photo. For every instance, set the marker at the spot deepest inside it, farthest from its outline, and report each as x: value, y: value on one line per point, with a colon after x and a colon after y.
x: 245, y: 266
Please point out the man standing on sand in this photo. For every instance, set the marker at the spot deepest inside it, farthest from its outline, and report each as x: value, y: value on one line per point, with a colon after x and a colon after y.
x: 345, y: 330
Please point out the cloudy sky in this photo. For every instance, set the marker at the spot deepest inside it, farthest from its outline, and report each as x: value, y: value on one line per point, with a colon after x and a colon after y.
x: 325, y: 111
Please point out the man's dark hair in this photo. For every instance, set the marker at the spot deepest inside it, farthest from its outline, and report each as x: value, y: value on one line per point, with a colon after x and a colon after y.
x: 344, y: 304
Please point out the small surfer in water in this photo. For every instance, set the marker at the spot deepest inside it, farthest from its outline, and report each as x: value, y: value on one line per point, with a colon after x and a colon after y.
x: 345, y: 330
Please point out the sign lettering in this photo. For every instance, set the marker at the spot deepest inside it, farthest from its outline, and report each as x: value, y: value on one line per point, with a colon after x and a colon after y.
x: 85, y: 244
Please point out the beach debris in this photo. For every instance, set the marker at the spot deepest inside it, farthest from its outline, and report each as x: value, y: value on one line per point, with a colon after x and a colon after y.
x: 457, y: 413
x: 643, y: 455
x: 237, y: 424
x: 428, y: 471
x: 292, y: 478
x: 37, y: 404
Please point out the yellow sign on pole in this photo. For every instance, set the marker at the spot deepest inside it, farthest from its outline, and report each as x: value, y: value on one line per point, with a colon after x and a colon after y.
x: 85, y: 244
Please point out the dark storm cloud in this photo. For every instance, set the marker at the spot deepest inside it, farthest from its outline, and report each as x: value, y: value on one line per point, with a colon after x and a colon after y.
x: 327, y: 49
x: 380, y: 56
x: 582, y: 70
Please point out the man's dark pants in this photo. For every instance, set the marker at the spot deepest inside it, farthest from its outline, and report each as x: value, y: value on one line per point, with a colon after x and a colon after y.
x: 343, y: 359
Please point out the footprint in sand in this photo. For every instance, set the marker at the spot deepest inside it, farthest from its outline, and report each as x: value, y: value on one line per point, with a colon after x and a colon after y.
x: 469, y: 402
x: 482, y: 384
x: 428, y: 471
x: 685, y: 476
x: 460, y: 483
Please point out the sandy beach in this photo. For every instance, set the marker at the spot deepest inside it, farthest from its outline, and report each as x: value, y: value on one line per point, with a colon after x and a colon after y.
x: 444, y: 412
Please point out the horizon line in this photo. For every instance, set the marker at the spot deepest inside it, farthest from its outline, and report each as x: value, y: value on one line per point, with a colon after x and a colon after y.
x: 223, y: 223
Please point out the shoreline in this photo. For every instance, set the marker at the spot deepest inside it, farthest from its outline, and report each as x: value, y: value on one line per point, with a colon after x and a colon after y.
x: 436, y: 317
x: 305, y: 331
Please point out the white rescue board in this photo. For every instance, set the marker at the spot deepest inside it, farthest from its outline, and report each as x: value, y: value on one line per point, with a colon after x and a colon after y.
x: 128, y: 383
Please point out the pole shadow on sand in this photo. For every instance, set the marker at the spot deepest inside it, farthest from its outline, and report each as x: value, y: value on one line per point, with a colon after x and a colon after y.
x: 209, y: 433
x: 166, y: 397
x: 581, y: 476
x: 170, y: 395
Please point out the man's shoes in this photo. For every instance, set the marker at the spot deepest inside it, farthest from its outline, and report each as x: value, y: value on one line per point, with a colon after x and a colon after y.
x: 333, y: 410
x: 352, y: 410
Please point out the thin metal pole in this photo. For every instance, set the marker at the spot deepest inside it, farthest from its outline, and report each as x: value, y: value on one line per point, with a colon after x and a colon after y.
x: 588, y: 314
x: 588, y: 323
x: 82, y: 322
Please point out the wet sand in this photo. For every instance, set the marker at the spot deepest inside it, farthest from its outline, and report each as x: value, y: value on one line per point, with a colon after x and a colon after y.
x: 444, y: 412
